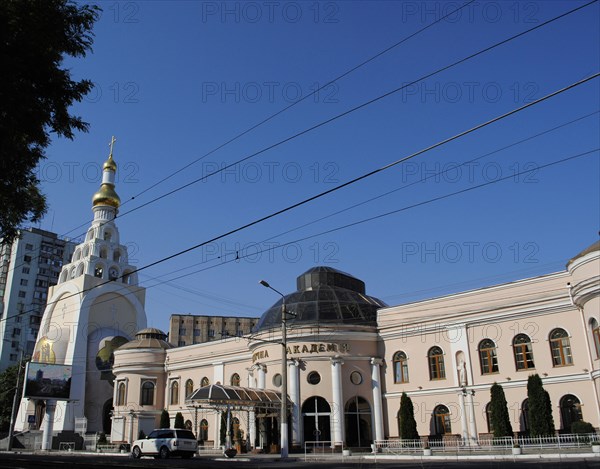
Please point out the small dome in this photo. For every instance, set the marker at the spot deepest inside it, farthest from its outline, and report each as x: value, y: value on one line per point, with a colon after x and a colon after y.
x: 110, y: 165
x: 106, y: 195
x: 325, y: 296
x: 148, y: 338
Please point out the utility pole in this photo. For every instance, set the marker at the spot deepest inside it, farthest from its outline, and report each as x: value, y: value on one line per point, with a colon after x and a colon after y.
x: 15, y: 403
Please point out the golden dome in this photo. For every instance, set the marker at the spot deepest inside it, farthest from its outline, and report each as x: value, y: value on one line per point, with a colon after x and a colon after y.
x: 106, y: 195
x: 110, y: 164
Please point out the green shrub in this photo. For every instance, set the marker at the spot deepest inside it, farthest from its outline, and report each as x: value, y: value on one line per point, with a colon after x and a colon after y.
x: 582, y: 427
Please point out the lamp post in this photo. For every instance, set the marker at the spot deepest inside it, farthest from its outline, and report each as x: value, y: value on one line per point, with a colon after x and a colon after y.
x: 283, y: 416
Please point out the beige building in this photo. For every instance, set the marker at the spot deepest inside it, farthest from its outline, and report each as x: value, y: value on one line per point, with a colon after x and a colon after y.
x: 187, y: 329
x: 350, y: 357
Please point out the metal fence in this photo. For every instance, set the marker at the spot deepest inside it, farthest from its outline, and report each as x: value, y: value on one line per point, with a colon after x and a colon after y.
x: 490, y: 445
x: 322, y: 449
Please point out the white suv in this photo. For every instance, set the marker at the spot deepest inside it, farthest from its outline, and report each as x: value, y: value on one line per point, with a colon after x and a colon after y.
x: 165, y: 442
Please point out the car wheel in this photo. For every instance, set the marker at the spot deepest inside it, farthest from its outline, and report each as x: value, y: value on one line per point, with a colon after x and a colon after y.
x: 136, y: 452
x: 164, y: 452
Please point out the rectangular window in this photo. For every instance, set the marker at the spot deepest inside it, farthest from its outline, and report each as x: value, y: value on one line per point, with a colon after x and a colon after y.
x: 181, y: 343
x: 24, y: 282
x: 22, y: 294
x: 29, y: 247
x: 27, y: 259
x: 211, y: 333
x: 25, y: 270
x: 196, y: 332
x: 182, y: 331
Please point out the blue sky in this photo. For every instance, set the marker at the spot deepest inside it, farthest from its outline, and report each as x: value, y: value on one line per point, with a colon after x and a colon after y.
x: 174, y: 80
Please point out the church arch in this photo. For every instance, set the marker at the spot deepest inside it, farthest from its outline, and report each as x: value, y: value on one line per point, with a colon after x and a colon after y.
x: 86, y: 251
x: 80, y: 268
x: 117, y: 255
x: 63, y: 276
x: 103, y: 252
x: 77, y: 254
x: 99, y: 270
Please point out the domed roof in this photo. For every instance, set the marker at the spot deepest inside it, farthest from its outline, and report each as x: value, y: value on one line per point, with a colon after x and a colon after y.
x: 110, y: 164
x: 585, y: 252
x: 106, y: 195
x: 148, y: 338
x: 325, y: 296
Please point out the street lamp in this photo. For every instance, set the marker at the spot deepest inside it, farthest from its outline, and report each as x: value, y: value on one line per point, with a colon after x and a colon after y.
x: 283, y: 416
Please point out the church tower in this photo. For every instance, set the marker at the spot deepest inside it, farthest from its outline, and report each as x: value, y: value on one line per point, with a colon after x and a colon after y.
x: 96, y: 306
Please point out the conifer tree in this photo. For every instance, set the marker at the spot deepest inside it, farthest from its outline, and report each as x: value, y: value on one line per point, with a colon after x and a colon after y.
x: 408, y: 424
x: 541, y: 422
x: 499, y: 417
x: 165, y: 420
x: 179, y: 423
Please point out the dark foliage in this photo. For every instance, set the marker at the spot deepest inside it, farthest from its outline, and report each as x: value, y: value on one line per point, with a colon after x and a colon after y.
x: 36, y: 91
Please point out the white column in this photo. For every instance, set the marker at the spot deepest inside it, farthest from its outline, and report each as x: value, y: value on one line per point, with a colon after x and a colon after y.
x: 251, y: 414
x: 463, y: 417
x: 377, y: 404
x: 337, y: 412
x: 216, y: 429
x: 294, y: 376
x: 261, y: 369
x: 48, y: 424
x: 131, y: 439
x: 472, y: 424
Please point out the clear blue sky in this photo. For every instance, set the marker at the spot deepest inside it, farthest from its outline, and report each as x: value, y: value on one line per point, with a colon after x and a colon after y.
x: 174, y: 80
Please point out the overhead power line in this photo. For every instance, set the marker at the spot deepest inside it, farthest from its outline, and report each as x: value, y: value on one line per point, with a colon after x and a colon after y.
x: 345, y: 184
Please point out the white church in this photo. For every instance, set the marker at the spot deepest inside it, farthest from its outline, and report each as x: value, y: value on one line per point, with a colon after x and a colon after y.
x: 96, y: 306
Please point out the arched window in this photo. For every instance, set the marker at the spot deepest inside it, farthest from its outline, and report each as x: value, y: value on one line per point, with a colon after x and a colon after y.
x: 174, y: 393
x: 316, y: 414
x: 90, y: 234
x: 86, y: 251
x: 76, y: 255
x: 107, y: 235
x: 596, y: 335
x: 103, y: 253
x: 436, y: 363
x: 487, y: 357
x: 441, y: 419
x: 358, y: 422
x: 189, y: 388
x: 560, y: 347
x: 488, y: 417
x: 121, y: 394
x: 523, y: 352
x: 400, y: 367
x: 570, y: 411
x: 203, y: 435
x: 235, y: 379
x: 147, y: 397
x: 117, y: 255
x: 188, y: 425
x: 99, y: 271
x: 80, y: 268
x: 204, y: 382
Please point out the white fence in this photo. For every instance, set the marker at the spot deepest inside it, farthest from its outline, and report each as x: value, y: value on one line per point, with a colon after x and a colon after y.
x: 490, y: 445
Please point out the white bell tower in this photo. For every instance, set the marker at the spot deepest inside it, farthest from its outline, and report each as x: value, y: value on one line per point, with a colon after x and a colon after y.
x: 95, y: 307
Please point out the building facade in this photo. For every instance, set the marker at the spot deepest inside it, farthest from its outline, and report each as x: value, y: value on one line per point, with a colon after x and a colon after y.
x: 350, y: 357
x: 28, y: 267
x: 187, y: 329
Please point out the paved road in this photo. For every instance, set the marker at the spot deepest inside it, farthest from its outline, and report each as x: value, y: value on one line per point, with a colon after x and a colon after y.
x: 75, y: 461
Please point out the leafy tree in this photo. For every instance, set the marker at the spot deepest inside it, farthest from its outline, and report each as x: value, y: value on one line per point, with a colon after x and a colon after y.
x: 36, y: 91
x: 541, y: 422
x: 408, y: 424
x: 8, y: 381
x: 165, y: 420
x: 179, y: 423
x: 499, y: 417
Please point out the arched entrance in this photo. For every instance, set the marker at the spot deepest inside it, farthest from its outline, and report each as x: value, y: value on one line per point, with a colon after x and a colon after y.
x: 442, y: 424
x: 106, y: 416
x: 316, y: 413
x: 358, y: 422
x: 570, y: 411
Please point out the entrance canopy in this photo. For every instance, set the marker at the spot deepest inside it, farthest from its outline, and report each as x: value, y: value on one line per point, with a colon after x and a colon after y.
x: 218, y: 396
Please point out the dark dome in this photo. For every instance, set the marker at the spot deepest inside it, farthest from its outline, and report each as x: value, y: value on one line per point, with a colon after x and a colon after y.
x: 325, y: 296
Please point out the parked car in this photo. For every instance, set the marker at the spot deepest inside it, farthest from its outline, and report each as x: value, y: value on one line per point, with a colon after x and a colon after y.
x: 165, y: 442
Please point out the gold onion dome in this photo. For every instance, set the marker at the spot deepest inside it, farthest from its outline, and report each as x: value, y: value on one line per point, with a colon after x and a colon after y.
x: 106, y: 195
x: 110, y: 164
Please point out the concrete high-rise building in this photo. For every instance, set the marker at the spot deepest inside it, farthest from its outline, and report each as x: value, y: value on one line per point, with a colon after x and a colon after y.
x: 29, y: 265
x: 188, y: 329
